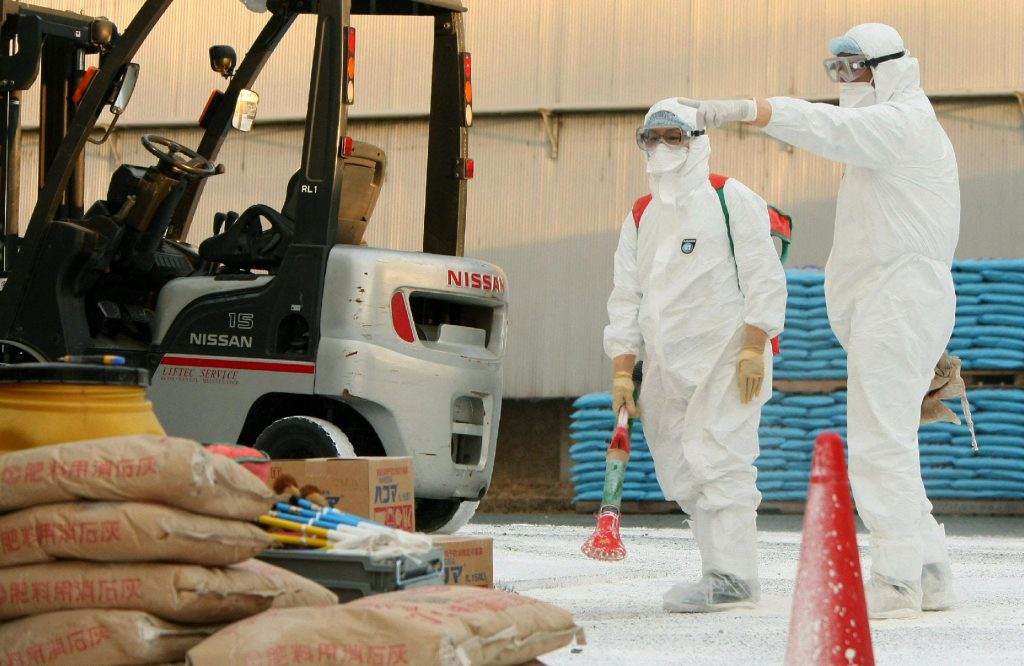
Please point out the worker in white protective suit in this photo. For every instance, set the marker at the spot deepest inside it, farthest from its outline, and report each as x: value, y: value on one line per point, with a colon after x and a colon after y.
x: 888, y: 288
x: 703, y: 312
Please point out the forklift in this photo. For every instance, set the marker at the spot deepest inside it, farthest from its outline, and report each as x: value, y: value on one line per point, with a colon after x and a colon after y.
x: 281, y: 330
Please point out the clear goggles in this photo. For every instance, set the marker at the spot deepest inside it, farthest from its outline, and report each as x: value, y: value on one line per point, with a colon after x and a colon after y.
x: 844, y: 69
x: 648, y: 137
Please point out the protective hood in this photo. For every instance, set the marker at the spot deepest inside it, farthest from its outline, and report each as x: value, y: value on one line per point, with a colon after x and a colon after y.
x: 674, y: 187
x: 892, y: 78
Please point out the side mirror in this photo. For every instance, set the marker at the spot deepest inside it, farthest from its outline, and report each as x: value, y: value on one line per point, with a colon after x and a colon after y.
x: 245, y: 110
x: 124, y: 88
x: 222, y: 60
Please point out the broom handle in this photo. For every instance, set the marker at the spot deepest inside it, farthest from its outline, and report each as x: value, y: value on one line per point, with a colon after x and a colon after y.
x: 275, y: 521
x: 332, y: 516
x: 616, y: 461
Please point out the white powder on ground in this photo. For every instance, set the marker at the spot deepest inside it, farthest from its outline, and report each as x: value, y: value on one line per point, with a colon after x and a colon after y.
x: 619, y: 603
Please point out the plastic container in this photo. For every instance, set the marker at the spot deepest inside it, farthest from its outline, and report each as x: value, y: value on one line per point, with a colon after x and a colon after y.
x: 354, y: 576
x: 53, y: 403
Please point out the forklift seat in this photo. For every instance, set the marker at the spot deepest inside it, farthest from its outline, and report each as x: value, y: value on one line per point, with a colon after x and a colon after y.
x: 361, y: 179
x: 246, y: 244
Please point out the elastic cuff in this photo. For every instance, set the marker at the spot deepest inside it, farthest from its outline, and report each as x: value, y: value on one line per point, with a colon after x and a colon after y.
x: 751, y: 111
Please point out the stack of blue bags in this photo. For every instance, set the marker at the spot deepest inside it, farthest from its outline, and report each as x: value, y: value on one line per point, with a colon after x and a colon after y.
x: 789, y: 426
x: 989, y: 334
x: 809, y: 349
x: 989, y: 331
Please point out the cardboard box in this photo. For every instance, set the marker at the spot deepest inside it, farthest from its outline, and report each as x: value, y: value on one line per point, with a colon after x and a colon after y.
x: 377, y: 488
x: 467, y: 560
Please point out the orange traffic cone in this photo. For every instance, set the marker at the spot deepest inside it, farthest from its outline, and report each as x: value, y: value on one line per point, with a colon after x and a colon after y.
x: 829, y: 622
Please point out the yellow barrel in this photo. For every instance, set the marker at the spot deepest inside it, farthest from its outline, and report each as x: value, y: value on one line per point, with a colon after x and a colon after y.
x: 52, y: 403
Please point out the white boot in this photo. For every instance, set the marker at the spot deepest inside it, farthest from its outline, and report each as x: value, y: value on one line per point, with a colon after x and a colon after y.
x: 937, y: 587
x: 891, y: 599
x: 713, y: 592
x: 936, y: 575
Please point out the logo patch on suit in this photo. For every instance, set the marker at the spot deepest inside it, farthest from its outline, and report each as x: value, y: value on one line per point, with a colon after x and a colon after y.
x: 688, y: 245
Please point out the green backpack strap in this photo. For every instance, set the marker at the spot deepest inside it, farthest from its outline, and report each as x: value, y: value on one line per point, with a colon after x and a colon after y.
x: 781, y: 223
x: 782, y: 228
x: 718, y: 182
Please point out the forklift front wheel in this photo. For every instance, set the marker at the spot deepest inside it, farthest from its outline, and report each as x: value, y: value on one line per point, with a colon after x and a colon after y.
x: 444, y: 516
x: 462, y: 516
x: 298, y: 437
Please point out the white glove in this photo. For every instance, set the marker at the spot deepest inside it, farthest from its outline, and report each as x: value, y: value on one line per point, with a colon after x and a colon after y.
x: 713, y: 112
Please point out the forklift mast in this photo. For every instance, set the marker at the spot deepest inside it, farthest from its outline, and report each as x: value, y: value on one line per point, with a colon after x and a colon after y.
x: 42, y: 310
x: 33, y: 39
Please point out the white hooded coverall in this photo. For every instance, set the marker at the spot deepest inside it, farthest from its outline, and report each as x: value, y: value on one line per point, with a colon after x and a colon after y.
x: 888, y: 286
x: 688, y: 311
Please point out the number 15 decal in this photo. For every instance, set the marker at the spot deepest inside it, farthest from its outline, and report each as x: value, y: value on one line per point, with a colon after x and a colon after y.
x: 240, y: 320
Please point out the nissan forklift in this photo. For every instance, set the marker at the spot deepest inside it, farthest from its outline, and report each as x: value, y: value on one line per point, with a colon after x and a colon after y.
x: 281, y: 330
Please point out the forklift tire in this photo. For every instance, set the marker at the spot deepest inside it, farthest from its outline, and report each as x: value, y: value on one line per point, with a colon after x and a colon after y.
x: 297, y: 437
x: 462, y: 516
x: 443, y: 516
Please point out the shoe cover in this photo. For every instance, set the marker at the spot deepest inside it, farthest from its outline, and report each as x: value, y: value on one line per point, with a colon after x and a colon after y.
x: 713, y: 592
x: 891, y: 599
x: 937, y: 587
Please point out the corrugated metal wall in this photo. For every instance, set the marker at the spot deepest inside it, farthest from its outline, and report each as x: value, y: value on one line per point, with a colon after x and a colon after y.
x: 588, y: 53
x: 552, y: 223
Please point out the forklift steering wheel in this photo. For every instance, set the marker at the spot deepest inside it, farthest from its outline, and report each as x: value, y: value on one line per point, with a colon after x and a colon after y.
x: 179, y: 158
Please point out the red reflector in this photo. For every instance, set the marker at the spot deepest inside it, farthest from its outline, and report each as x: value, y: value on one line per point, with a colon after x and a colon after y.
x: 467, y: 66
x: 351, y: 41
x: 206, y: 109
x: 470, y: 167
x: 400, y: 317
x: 83, y: 85
x: 346, y: 146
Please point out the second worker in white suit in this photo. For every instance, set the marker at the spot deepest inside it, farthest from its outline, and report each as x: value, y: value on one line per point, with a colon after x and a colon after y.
x: 888, y: 288
x: 703, y: 306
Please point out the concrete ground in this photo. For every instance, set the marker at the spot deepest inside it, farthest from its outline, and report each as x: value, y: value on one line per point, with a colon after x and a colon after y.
x: 619, y: 603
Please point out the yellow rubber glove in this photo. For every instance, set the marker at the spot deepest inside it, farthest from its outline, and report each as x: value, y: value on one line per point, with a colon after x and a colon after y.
x: 622, y: 393
x: 750, y: 372
x: 750, y: 364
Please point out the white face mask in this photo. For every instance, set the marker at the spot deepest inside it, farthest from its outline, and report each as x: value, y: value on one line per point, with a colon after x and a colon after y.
x: 666, y: 159
x: 856, y: 95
